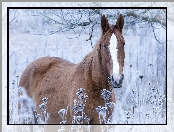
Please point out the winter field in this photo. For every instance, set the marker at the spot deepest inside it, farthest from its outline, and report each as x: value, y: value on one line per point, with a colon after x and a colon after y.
x: 142, y: 98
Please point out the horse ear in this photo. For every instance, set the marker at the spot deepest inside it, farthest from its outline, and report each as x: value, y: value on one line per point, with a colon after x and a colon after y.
x: 104, y: 24
x: 120, y: 23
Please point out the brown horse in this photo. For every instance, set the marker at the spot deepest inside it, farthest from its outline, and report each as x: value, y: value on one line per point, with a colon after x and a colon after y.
x: 58, y: 79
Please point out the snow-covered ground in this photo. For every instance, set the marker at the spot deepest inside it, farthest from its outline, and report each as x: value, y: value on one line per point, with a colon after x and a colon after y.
x: 141, y: 100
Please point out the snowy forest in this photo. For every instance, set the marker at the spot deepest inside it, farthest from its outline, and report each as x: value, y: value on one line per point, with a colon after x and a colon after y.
x: 71, y: 34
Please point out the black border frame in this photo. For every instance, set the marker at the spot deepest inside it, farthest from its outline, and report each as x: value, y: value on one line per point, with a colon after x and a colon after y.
x: 8, y: 8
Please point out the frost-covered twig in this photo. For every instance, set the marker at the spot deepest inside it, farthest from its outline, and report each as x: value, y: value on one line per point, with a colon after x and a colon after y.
x: 43, y: 109
x: 78, y: 108
x: 26, y: 107
x: 62, y: 113
x: 103, y: 111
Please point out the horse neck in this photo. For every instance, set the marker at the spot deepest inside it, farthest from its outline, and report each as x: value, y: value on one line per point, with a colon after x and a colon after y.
x: 92, y: 69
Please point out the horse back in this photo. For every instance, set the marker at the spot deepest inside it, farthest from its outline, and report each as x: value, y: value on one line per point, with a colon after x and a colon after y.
x: 36, y: 70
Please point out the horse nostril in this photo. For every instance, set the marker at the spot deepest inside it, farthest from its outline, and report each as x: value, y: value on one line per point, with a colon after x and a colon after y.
x: 117, y: 80
x: 122, y: 77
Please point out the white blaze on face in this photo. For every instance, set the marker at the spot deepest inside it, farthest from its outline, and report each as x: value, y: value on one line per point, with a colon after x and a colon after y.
x: 113, y: 51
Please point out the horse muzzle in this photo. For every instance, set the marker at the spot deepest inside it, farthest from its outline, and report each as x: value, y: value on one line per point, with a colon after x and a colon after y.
x: 117, y: 80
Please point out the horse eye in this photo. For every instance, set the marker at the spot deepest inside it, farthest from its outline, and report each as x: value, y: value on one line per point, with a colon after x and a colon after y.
x: 105, y: 46
x: 123, y: 44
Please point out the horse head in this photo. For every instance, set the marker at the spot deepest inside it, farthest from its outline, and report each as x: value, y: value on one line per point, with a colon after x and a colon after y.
x: 112, y: 47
